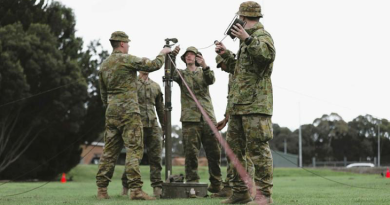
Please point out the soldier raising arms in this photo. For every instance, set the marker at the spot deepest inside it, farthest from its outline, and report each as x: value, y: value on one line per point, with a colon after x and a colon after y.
x: 195, y: 130
x: 118, y: 88
x: 250, y: 126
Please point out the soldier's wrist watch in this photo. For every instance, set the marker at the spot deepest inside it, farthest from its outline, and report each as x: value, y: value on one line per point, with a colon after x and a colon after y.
x: 248, y: 40
x: 206, y: 68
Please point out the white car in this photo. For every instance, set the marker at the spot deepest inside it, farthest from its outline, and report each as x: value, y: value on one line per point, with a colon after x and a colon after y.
x: 360, y: 165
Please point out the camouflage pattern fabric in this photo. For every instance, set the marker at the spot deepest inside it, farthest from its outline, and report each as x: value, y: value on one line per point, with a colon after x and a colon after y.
x: 119, y: 36
x: 153, y: 149
x: 193, y: 50
x: 229, y: 171
x: 118, y: 132
x: 195, y: 134
x: 252, y: 133
x: 153, y: 146
x: 252, y: 87
x: 218, y: 60
x: 229, y: 105
x: 249, y: 164
x: 250, y: 126
x: 150, y: 98
x: 250, y: 9
x: 117, y: 79
x: 199, y: 82
x: 118, y: 82
x: 195, y: 130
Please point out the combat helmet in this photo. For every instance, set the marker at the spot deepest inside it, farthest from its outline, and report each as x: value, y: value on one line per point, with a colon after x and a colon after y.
x: 250, y: 9
x: 191, y: 49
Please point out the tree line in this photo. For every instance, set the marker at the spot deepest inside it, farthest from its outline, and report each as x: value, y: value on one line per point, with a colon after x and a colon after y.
x: 328, y: 138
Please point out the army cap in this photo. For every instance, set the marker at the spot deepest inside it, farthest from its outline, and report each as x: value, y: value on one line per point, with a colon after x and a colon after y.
x: 250, y: 9
x: 219, y: 60
x: 190, y: 49
x: 119, y: 36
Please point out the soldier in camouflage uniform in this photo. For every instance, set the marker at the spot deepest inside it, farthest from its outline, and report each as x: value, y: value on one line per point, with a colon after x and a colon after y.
x: 149, y: 98
x: 227, y: 189
x: 196, y: 131
x: 250, y: 126
x: 118, y: 89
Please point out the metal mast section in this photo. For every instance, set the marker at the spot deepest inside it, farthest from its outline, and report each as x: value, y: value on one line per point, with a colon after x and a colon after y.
x: 167, y: 79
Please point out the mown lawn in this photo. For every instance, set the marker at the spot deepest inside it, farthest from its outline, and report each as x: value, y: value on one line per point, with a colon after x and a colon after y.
x: 291, y: 186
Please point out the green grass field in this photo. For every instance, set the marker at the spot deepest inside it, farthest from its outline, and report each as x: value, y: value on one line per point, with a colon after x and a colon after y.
x: 291, y: 186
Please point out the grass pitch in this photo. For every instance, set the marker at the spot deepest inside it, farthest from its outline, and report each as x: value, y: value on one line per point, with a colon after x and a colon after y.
x: 291, y: 186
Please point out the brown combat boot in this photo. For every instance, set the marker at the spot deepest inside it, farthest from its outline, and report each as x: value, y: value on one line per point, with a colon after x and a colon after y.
x: 261, y: 200
x: 138, y: 194
x: 102, y: 193
x: 157, y: 191
x: 214, y: 188
x: 125, y: 191
x: 224, y: 193
x: 238, y: 198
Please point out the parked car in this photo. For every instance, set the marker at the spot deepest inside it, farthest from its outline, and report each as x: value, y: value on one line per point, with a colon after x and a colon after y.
x: 360, y: 165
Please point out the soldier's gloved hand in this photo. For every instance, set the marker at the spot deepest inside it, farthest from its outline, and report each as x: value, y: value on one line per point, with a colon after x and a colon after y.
x: 176, y: 51
x: 166, y: 50
x: 220, y: 48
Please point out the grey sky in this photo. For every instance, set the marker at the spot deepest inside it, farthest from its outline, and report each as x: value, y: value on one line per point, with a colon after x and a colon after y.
x: 331, y: 56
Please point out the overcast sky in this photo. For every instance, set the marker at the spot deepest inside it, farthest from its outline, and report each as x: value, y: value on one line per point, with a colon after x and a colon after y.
x: 331, y: 55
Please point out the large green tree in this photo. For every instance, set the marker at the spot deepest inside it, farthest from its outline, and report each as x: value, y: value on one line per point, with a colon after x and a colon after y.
x: 49, y: 103
x: 327, y: 129
x: 365, y: 130
x: 281, y: 135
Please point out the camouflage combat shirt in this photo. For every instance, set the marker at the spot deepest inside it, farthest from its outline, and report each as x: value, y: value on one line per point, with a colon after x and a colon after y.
x: 199, y: 82
x: 118, y: 82
x: 252, y: 88
x: 229, y: 105
x: 149, y: 97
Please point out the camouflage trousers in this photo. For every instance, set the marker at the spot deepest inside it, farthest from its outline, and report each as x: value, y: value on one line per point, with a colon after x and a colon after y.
x: 250, y: 169
x: 249, y: 135
x: 153, y: 149
x: 196, y: 134
x: 119, y: 132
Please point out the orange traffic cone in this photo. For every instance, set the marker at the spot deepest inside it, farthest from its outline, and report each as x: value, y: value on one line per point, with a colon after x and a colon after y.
x: 388, y: 173
x: 63, y: 178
